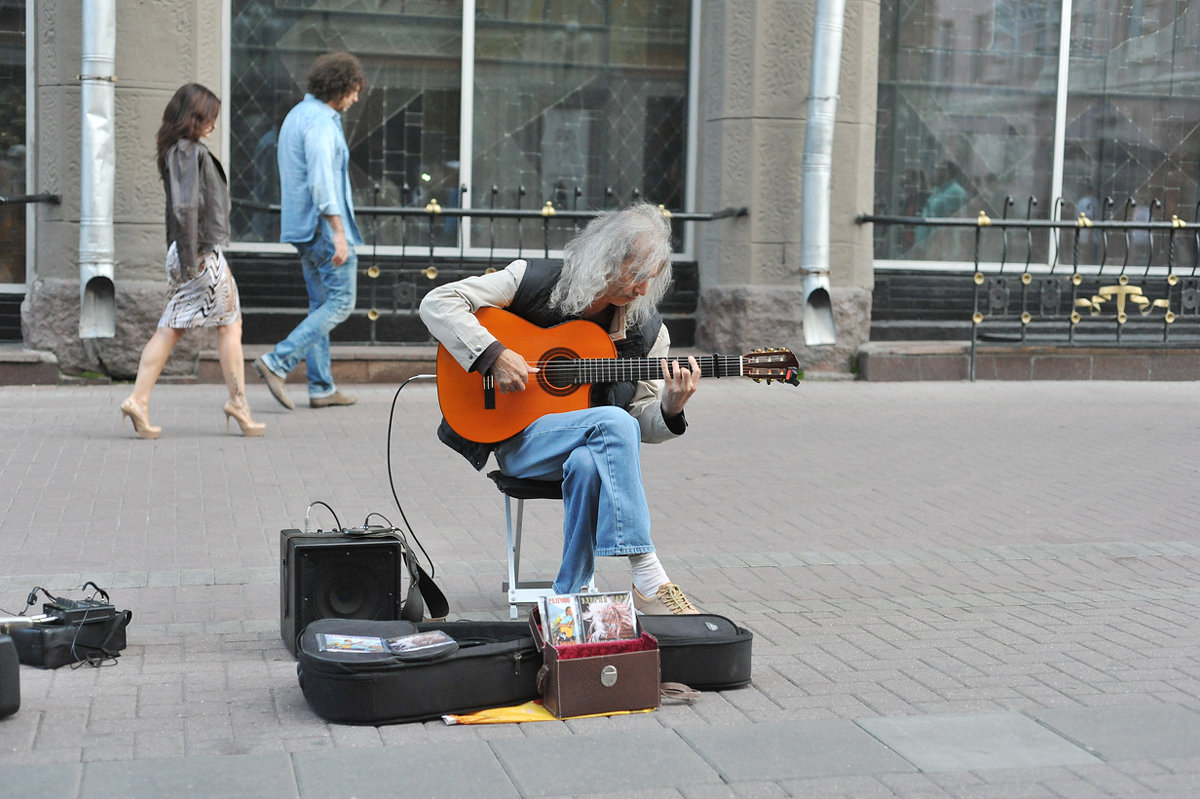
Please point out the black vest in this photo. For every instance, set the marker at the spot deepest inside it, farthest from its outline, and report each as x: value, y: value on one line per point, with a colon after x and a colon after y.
x: 532, y: 303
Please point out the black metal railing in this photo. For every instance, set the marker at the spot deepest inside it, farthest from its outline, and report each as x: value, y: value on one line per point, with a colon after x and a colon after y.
x: 1126, y: 281
x: 427, y: 249
x: 18, y: 199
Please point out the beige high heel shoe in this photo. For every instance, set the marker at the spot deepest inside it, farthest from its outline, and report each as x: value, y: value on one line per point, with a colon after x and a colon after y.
x: 140, y: 418
x: 242, y: 415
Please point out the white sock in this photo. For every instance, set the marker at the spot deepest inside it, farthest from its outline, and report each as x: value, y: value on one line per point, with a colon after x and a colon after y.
x: 648, y: 574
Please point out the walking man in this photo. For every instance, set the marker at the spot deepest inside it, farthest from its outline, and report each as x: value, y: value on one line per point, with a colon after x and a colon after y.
x: 318, y: 219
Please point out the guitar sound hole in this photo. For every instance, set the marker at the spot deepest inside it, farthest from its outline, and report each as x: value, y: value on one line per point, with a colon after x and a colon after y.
x: 557, y: 374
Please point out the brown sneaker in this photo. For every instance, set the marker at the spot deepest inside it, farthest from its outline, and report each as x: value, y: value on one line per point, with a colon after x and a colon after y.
x: 274, y: 383
x: 336, y: 398
x: 669, y: 600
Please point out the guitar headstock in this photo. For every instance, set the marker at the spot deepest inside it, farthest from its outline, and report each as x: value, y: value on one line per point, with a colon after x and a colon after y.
x: 771, y: 364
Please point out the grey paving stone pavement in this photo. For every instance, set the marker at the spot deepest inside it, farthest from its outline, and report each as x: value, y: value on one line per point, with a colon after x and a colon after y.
x: 956, y: 589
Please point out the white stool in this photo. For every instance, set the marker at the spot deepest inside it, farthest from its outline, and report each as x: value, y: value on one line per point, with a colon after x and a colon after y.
x: 513, y: 488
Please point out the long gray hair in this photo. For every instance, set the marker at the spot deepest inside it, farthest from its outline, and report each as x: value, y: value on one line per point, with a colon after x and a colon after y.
x: 592, y: 261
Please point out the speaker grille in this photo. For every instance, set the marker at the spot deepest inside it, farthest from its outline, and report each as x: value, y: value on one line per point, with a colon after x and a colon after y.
x: 348, y: 582
x: 334, y: 576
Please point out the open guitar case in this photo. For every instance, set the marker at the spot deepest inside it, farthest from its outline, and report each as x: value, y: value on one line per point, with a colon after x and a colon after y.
x: 495, y: 664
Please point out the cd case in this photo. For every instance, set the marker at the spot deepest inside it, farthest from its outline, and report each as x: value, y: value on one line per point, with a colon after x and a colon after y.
x: 588, y: 618
x: 416, y: 646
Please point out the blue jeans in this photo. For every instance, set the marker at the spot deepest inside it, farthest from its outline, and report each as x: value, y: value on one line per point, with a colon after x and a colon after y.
x: 595, y: 453
x: 332, y: 292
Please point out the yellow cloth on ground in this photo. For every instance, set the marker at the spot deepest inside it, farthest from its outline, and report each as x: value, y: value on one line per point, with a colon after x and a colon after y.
x: 530, y: 711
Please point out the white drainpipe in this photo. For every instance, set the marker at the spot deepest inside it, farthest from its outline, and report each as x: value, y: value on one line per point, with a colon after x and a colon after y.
x: 97, y: 301
x: 816, y: 173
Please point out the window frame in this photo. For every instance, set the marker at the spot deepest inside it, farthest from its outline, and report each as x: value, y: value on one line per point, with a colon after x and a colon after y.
x: 1057, y: 179
x: 466, y: 140
x: 30, y: 161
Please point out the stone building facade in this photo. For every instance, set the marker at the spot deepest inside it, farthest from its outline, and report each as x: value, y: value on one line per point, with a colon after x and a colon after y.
x: 753, y: 63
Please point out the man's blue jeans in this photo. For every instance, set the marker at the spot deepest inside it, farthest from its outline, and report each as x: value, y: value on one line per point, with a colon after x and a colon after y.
x: 595, y: 453
x: 332, y: 292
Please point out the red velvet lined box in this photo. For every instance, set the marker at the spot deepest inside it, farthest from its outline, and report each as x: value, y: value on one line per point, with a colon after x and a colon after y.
x: 583, y: 679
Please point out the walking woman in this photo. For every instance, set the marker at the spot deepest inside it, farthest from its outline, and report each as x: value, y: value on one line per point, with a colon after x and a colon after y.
x: 201, y: 289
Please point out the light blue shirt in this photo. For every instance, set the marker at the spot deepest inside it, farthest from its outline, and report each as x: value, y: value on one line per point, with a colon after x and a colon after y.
x: 314, y: 172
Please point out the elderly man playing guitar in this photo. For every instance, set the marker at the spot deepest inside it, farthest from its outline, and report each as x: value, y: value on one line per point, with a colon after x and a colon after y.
x: 612, y: 276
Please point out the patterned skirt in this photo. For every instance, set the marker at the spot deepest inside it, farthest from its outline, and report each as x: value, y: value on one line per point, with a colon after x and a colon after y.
x: 208, y: 298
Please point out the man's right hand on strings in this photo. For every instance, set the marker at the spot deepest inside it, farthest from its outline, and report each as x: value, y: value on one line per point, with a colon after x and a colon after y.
x: 511, y: 372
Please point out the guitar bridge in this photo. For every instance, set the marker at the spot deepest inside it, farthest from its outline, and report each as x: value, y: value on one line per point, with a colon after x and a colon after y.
x: 489, y: 393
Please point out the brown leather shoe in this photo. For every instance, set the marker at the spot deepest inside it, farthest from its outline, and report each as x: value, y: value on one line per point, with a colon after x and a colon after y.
x: 336, y: 398
x: 274, y: 383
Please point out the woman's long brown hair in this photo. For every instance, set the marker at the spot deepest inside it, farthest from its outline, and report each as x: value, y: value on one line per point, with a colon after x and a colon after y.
x: 188, y: 113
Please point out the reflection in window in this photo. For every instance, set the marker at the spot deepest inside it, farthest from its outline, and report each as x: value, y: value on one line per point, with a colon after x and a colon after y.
x: 579, y: 104
x: 1133, y: 121
x: 12, y: 139
x: 966, y: 102
x: 403, y: 133
x: 968, y: 87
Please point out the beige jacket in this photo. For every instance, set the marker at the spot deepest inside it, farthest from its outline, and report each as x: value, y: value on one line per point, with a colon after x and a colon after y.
x: 448, y: 313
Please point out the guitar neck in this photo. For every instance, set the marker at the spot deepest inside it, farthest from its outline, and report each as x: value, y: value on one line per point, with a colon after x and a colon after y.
x: 576, y: 371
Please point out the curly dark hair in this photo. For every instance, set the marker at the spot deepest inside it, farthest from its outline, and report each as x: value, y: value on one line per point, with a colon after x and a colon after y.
x: 188, y: 114
x: 334, y: 75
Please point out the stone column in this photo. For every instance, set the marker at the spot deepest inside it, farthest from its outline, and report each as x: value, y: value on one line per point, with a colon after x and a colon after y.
x: 754, y: 86
x: 161, y: 45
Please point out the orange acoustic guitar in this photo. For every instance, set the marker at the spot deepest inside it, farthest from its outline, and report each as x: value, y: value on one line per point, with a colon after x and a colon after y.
x: 568, y: 358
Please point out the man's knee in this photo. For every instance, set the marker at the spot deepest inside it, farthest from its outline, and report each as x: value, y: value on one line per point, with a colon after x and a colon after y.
x: 618, y: 421
x: 580, y: 465
x: 342, y: 306
x: 341, y: 298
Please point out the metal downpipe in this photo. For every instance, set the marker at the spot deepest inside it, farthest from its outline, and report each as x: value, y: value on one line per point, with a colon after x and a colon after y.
x: 97, y: 295
x: 816, y: 173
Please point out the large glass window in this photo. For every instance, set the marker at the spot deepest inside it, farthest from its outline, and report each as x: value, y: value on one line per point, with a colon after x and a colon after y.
x: 403, y: 133
x: 1133, y: 119
x: 969, y: 114
x: 582, y: 104
x: 12, y: 141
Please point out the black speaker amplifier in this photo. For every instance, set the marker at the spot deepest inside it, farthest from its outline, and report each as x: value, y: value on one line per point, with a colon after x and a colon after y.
x: 336, y: 575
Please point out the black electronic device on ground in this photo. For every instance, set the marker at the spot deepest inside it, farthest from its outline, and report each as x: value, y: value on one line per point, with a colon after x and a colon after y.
x: 77, y: 611
x: 355, y: 574
x: 89, y: 630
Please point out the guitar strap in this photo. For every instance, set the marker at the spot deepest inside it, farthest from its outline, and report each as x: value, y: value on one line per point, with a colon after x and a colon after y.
x: 422, y: 587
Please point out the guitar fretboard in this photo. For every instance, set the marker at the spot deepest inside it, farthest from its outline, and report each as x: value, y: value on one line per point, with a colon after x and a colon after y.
x: 574, y: 371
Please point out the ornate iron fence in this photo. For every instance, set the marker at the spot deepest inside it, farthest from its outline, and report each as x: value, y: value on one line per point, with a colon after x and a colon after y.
x: 427, y: 250
x: 1130, y: 281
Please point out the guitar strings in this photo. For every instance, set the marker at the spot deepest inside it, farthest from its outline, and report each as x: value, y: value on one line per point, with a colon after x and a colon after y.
x: 634, y: 368
x: 567, y: 362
